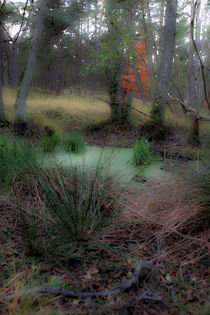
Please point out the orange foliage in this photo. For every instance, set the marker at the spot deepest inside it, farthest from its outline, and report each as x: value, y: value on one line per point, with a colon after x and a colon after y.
x: 129, y: 80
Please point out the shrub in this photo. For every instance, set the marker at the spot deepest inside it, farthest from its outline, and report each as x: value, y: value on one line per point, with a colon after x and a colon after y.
x: 50, y: 141
x: 142, y: 152
x: 74, y: 143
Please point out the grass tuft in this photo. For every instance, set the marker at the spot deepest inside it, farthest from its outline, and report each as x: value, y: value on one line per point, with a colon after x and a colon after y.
x: 142, y: 154
x: 14, y: 155
x: 74, y: 143
x: 50, y: 141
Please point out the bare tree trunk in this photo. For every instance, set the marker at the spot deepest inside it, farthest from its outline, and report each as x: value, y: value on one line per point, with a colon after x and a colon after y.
x: 193, y: 69
x: 166, y: 56
x: 59, y: 68
x: 11, y: 54
x: 2, y: 113
x: 20, y: 104
x: 150, y: 45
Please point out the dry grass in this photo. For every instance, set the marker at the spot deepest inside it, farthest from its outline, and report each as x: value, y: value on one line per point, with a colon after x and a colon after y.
x: 171, y: 220
x: 83, y: 110
x: 81, y: 107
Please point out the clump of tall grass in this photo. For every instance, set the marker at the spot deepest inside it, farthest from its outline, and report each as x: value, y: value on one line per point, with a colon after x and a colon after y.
x: 66, y: 205
x: 78, y: 200
x: 74, y: 143
x: 142, y: 153
x: 50, y: 140
x: 14, y: 155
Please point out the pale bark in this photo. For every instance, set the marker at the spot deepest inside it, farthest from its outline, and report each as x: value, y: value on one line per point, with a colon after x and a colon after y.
x: 20, y: 105
x: 150, y: 45
x: 166, y: 55
x: 2, y: 113
x: 193, y: 68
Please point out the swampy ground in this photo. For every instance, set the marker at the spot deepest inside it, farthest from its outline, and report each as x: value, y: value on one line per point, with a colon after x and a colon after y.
x: 156, y: 213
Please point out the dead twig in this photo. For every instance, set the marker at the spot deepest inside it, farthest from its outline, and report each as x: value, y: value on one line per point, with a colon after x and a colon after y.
x: 139, y: 111
x: 140, y: 271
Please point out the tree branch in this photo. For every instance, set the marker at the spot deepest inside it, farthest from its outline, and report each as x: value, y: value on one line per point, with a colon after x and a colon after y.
x: 187, y: 108
x: 22, y: 21
x: 141, y: 271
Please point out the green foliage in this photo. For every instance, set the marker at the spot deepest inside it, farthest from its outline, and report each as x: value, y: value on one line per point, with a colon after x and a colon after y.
x: 74, y: 143
x: 142, y: 152
x: 49, y: 142
x: 13, y: 157
x: 156, y: 114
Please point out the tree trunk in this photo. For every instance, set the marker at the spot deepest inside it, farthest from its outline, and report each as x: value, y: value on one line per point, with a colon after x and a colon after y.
x: 193, y: 67
x: 20, y: 104
x: 2, y: 113
x: 150, y: 45
x: 59, y: 68
x: 166, y: 56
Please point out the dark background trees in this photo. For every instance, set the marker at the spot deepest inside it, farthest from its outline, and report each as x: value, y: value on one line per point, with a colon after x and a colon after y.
x: 87, y: 45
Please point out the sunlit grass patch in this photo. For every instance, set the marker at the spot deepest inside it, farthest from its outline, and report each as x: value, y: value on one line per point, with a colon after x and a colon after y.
x: 70, y: 109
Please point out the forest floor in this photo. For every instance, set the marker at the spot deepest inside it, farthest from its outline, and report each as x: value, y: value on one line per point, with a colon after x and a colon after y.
x: 166, y: 225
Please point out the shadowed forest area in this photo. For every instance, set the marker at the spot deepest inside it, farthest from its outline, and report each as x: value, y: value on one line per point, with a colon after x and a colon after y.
x: 104, y: 157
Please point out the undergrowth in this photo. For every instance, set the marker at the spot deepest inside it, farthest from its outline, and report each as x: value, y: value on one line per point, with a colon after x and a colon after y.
x: 50, y: 141
x: 14, y: 154
x: 72, y: 203
x: 73, y: 143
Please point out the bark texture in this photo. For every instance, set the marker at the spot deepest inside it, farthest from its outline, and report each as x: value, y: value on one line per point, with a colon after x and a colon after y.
x: 166, y: 55
x: 2, y: 113
x: 20, y: 105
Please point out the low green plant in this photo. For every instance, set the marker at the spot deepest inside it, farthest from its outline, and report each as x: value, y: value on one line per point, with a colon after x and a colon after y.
x: 14, y: 155
x: 142, y: 154
x: 49, y: 142
x: 74, y: 143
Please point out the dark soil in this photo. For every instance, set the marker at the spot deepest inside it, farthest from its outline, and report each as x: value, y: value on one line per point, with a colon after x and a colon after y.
x: 124, y: 136
x: 116, y: 135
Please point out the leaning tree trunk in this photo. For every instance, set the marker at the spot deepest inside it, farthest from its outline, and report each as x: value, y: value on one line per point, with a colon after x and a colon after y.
x: 166, y: 58
x: 2, y: 113
x: 20, y: 104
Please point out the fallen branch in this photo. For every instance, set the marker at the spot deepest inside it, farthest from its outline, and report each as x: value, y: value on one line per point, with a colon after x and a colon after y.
x: 139, y: 111
x: 141, y: 271
x: 101, y: 99
x: 188, y: 108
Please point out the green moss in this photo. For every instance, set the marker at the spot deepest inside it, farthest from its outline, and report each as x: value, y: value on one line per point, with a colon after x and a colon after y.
x: 156, y: 113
